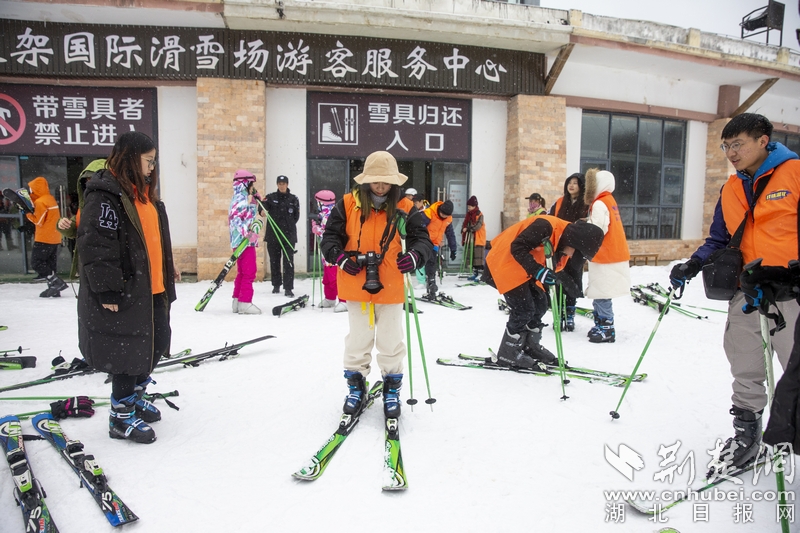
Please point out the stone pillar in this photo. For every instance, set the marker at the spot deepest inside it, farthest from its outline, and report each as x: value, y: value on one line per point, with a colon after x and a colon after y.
x: 536, y: 153
x: 718, y: 170
x: 231, y: 134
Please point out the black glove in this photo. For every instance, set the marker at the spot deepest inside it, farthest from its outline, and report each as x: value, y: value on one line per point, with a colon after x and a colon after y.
x: 684, y: 272
x: 347, y: 264
x: 453, y: 254
x: 407, y: 262
x: 773, y: 275
x: 568, y: 284
x: 77, y: 407
x: 546, y: 276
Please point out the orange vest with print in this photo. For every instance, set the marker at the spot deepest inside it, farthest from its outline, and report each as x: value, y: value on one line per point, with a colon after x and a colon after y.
x: 773, y: 236
x: 507, y: 272
x: 364, y: 239
x: 438, y: 225
x: 615, y: 246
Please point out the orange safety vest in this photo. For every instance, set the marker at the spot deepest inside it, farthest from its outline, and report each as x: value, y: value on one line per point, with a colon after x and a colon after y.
x: 437, y: 225
x: 615, y: 246
x: 364, y: 239
x: 773, y: 234
x: 480, y: 235
x: 405, y: 204
x: 507, y: 272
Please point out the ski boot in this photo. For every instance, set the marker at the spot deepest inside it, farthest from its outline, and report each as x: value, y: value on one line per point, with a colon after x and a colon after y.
x: 327, y: 303
x: 144, y: 408
x: 741, y: 449
x: 391, y: 395
x: 54, y: 287
x: 511, y: 352
x: 354, y: 401
x: 569, y: 319
x: 248, y: 308
x: 123, y: 423
x: 534, y: 348
x: 235, y: 305
x: 432, y: 289
x: 603, y: 331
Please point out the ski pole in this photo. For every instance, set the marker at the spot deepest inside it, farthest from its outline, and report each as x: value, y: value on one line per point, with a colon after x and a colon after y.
x: 279, y: 234
x: 17, y: 350
x: 615, y: 413
x: 413, y: 302
x: 314, y: 273
x: 555, y: 308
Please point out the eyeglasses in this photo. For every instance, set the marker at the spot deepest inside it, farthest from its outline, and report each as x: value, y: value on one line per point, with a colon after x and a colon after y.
x: 733, y: 146
x: 151, y: 163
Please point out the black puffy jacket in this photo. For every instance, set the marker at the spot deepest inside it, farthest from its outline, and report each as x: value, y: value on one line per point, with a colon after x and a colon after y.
x: 284, y: 208
x: 115, y: 269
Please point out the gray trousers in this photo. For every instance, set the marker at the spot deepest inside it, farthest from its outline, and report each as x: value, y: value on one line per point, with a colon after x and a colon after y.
x: 744, y: 349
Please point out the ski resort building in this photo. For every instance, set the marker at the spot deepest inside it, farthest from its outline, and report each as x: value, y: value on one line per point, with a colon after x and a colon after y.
x: 472, y: 97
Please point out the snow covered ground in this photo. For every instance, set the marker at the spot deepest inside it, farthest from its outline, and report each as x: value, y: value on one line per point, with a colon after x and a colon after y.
x: 498, y: 452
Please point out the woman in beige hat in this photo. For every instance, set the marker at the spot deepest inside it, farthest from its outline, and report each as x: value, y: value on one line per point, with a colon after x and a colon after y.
x: 363, y: 237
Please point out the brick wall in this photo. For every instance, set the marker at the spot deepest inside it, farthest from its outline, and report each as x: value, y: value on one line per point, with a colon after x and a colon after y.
x: 185, y: 258
x: 231, y: 134
x: 536, y: 153
x: 667, y: 250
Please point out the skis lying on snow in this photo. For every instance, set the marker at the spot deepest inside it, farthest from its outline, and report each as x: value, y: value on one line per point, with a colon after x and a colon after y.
x: 294, y: 305
x: 655, y: 507
x: 315, y: 466
x: 445, y: 301
x: 583, y: 374
x: 393, y: 472
x: 86, y: 468
x: 470, y: 284
x: 27, y: 490
x: 79, y: 367
x: 3, y: 328
x: 17, y: 363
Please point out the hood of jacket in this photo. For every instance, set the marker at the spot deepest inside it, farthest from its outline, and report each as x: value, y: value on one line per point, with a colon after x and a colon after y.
x: 597, y: 182
x: 39, y: 188
x: 777, y: 154
x: 581, y: 184
x: 104, y: 180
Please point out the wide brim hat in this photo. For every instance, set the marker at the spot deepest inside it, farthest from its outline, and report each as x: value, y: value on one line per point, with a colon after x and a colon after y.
x: 381, y: 167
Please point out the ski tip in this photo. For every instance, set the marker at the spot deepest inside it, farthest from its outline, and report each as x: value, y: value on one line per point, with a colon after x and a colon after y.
x: 639, y: 507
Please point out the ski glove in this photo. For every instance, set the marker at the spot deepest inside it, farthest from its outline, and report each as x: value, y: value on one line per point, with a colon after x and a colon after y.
x: 684, y: 272
x: 347, y: 264
x: 76, y: 407
x: 436, y: 249
x: 773, y: 275
x: 408, y: 261
x: 453, y: 255
x: 568, y: 284
x: 546, y: 276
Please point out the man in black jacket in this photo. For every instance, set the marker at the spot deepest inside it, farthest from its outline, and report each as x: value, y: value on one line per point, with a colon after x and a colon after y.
x: 283, y: 209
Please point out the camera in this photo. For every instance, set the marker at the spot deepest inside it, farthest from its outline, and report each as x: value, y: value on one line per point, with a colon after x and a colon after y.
x: 370, y: 262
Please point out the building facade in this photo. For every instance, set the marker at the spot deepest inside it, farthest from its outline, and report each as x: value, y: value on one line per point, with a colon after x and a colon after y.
x: 492, y: 99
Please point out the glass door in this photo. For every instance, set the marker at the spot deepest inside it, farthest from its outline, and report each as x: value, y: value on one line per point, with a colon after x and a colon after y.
x: 450, y: 181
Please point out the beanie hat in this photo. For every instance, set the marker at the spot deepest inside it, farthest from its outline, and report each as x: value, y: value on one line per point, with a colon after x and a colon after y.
x: 243, y: 176
x: 584, y: 237
x: 325, y: 197
x: 472, y: 201
x: 446, y: 209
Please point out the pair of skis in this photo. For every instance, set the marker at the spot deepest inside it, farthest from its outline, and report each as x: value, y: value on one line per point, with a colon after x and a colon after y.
x: 294, y: 305
x: 16, y: 362
x: 185, y: 358
x: 445, y: 301
x: 394, y: 473
x: 29, y: 492
x: 584, y: 374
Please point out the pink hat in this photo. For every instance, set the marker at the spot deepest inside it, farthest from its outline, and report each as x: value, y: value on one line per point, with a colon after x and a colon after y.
x: 325, y: 197
x: 243, y: 175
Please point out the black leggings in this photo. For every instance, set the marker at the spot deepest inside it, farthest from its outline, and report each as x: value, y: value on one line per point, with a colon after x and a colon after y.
x: 123, y: 385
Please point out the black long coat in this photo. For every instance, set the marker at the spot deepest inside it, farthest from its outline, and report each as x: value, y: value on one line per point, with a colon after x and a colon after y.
x: 284, y: 208
x: 114, y: 269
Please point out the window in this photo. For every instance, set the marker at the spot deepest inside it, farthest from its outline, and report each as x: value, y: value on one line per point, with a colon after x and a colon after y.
x: 789, y: 140
x: 646, y: 156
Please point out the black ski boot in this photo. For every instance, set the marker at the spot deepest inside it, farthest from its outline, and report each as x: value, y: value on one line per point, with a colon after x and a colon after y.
x: 569, y: 318
x: 741, y: 449
x: 144, y: 408
x: 391, y: 395
x: 123, y: 423
x: 534, y: 348
x: 603, y: 330
x: 358, y: 391
x: 432, y: 289
x: 511, y: 352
